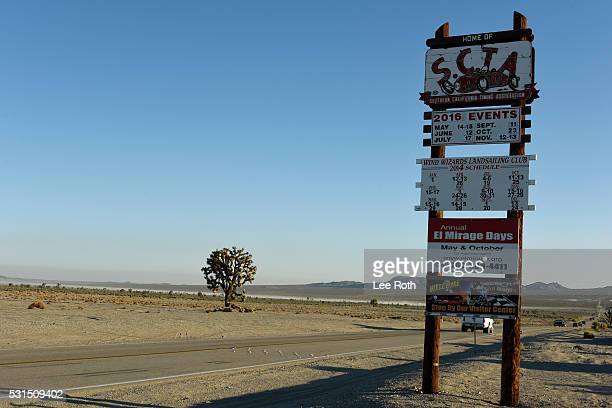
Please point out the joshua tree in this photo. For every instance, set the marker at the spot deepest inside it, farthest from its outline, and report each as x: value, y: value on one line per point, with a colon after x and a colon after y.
x: 227, y: 270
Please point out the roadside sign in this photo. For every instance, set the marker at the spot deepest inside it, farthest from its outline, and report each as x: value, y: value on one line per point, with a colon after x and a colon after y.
x: 491, y: 241
x: 467, y: 296
x: 488, y: 69
x: 479, y: 74
x: 491, y: 183
x: 457, y: 127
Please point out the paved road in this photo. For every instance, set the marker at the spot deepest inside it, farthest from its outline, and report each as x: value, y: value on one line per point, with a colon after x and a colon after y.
x: 70, y: 368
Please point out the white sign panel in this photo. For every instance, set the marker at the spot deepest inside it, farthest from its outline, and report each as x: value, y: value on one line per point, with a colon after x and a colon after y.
x: 493, y: 183
x: 479, y: 70
x: 490, y: 243
x: 498, y: 125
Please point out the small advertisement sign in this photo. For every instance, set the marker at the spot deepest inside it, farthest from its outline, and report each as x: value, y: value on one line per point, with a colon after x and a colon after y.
x: 489, y: 244
x: 468, y: 296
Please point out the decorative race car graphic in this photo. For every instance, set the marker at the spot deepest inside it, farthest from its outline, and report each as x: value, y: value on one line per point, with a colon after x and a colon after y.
x: 479, y: 74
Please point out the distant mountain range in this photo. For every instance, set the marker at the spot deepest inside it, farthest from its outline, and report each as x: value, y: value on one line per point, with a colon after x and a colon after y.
x: 555, y: 288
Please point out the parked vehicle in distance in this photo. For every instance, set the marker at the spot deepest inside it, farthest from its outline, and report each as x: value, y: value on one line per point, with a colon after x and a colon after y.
x: 559, y: 323
x: 576, y: 324
x: 485, y: 324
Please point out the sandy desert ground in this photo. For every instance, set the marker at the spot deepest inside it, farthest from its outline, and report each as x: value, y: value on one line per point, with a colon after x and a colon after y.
x: 92, y: 316
x: 560, y: 368
x: 76, y: 318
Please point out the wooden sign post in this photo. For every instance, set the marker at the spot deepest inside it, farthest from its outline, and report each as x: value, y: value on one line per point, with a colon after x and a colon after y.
x: 431, y: 347
x: 511, y: 343
x: 450, y: 83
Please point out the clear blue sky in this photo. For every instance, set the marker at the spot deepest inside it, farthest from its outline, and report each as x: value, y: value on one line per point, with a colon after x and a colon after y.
x: 137, y: 136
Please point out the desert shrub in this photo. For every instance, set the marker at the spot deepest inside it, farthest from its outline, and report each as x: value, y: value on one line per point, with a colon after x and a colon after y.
x: 39, y: 304
x: 589, y: 335
x: 374, y: 302
x: 599, y: 326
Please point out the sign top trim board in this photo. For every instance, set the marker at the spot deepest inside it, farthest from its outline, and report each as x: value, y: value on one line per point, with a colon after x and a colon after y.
x: 481, y: 38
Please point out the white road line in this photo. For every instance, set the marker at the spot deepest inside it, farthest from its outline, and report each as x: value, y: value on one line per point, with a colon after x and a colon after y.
x: 221, y: 370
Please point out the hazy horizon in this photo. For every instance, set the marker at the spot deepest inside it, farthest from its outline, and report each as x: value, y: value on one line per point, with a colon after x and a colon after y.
x: 59, y: 274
